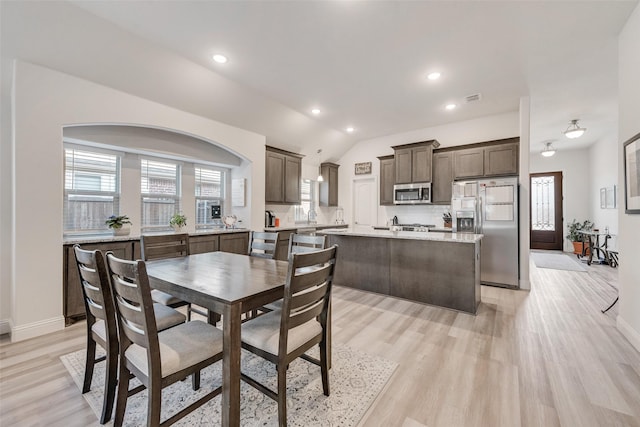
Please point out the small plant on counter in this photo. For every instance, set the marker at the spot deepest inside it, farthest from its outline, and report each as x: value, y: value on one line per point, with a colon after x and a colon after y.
x: 116, y: 222
x: 178, y: 220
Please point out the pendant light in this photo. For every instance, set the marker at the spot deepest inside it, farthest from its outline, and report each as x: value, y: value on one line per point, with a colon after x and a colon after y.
x: 574, y: 130
x: 320, y: 178
x: 548, y: 150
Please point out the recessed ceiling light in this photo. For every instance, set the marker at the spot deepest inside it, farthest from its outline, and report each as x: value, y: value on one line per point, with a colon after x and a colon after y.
x: 450, y: 106
x: 220, y: 59
x: 350, y: 129
x: 316, y: 111
x: 433, y: 76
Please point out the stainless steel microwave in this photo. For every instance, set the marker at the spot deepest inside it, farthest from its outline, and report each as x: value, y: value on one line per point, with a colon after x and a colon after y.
x: 412, y: 194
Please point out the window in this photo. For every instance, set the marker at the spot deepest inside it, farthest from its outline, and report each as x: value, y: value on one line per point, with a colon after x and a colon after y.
x: 307, y: 200
x: 209, y: 196
x: 91, y: 189
x: 160, y: 193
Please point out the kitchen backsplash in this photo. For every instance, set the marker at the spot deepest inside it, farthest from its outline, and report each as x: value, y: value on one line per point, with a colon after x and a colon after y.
x: 324, y: 215
x: 425, y: 214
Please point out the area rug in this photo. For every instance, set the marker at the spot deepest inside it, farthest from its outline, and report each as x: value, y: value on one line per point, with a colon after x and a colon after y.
x: 355, y: 381
x: 556, y: 261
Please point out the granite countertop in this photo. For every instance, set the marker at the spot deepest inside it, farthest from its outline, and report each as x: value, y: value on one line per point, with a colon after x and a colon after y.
x: 304, y: 225
x: 101, y: 238
x: 409, y: 235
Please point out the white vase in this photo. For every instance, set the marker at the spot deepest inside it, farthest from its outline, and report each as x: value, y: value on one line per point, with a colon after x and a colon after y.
x: 122, y: 231
x: 179, y: 228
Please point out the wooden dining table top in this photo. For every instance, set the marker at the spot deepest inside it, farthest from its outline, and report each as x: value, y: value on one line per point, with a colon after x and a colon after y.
x: 222, y: 277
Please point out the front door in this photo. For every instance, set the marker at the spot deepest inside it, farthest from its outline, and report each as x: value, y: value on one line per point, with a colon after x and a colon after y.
x: 365, y: 204
x: 546, y: 211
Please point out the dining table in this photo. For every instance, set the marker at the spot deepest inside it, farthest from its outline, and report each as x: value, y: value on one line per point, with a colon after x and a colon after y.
x: 228, y: 284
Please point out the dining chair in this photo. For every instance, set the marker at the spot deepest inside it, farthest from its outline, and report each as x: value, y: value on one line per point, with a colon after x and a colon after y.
x: 299, y: 243
x: 102, y: 324
x: 263, y: 244
x: 281, y: 336
x: 162, y: 246
x: 157, y: 358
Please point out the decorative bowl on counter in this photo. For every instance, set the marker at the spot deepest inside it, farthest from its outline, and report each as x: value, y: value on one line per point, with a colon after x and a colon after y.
x: 229, y: 221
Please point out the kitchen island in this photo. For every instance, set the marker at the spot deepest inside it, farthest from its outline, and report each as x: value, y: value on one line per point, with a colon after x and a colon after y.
x: 436, y: 268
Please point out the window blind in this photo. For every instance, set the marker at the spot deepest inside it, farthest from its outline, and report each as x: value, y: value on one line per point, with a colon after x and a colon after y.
x: 209, y: 192
x: 160, y: 193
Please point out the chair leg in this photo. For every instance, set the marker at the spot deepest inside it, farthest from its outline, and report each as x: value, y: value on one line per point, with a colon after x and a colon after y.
x: 195, y: 381
x: 282, y: 395
x: 188, y: 312
x: 123, y: 391
x: 324, y: 366
x: 88, y: 364
x: 110, y: 383
x: 154, y: 402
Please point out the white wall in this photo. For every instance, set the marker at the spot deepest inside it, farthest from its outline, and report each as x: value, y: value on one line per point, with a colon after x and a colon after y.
x: 603, y: 173
x: 629, y: 110
x: 574, y: 165
x: 45, y: 101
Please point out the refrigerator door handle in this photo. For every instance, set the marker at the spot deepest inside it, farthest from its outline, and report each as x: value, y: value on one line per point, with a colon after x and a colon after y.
x: 480, y: 219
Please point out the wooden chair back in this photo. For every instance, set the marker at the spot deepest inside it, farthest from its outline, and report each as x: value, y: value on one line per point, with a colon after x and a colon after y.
x: 164, y: 246
x: 263, y: 244
x: 134, y: 307
x: 307, y: 291
x: 98, y: 300
x: 301, y: 243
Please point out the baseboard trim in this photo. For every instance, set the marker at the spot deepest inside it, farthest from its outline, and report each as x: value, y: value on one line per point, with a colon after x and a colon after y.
x: 629, y: 333
x: 5, y: 327
x: 36, y: 329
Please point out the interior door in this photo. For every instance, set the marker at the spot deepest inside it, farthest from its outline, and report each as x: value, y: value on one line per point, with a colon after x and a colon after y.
x: 546, y: 211
x: 365, y: 205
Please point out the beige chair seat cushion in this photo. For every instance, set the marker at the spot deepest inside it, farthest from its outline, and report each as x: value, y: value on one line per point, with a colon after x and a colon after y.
x: 99, y: 329
x: 263, y: 332
x: 164, y: 298
x: 180, y: 347
x: 167, y: 317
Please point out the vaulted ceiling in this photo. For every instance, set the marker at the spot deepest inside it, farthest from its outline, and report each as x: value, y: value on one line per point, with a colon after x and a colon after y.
x: 362, y: 63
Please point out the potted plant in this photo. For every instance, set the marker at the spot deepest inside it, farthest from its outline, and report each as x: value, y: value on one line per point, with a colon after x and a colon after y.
x: 117, y: 224
x: 178, y: 222
x: 577, y: 238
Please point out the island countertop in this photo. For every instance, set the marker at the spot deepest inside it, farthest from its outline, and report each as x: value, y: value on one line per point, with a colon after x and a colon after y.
x: 407, y: 235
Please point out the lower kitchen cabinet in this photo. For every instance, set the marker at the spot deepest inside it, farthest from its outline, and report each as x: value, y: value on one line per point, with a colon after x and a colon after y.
x: 237, y: 243
x: 202, y: 244
x: 72, y: 290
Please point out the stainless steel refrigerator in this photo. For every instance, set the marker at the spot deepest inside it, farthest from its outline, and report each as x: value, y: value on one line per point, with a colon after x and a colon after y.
x: 490, y: 207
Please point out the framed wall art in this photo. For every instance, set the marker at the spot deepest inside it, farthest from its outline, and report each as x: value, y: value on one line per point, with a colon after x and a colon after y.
x: 631, y: 156
x: 362, y: 168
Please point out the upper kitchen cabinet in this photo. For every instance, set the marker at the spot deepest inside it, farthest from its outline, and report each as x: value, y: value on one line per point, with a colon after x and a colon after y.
x: 413, y: 161
x: 387, y: 179
x: 282, y: 181
x: 442, y: 177
x: 329, y: 187
x: 468, y: 163
x: 501, y: 159
x: 486, y: 159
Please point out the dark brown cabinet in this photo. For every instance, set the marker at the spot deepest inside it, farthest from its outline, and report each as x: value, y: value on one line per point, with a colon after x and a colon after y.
x: 501, y: 159
x: 387, y: 179
x: 237, y: 243
x: 487, y: 159
x: 329, y: 187
x: 282, y: 178
x: 73, y: 299
x: 202, y: 244
x: 468, y: 163
x: 413, y: 162
x: 442, y: 177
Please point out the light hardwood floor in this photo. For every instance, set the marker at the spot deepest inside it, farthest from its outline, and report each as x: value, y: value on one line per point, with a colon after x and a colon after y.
x: 548, y: 357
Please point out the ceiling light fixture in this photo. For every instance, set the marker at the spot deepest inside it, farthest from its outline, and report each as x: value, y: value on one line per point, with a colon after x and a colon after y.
x: 574, y: 130
x: 350, y: 129
x: 433, y: 76
x: 548, y: 150
x: 450, y: 106
x: 320, y: 178
x: 315, y: 111
x: 220, y: 59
